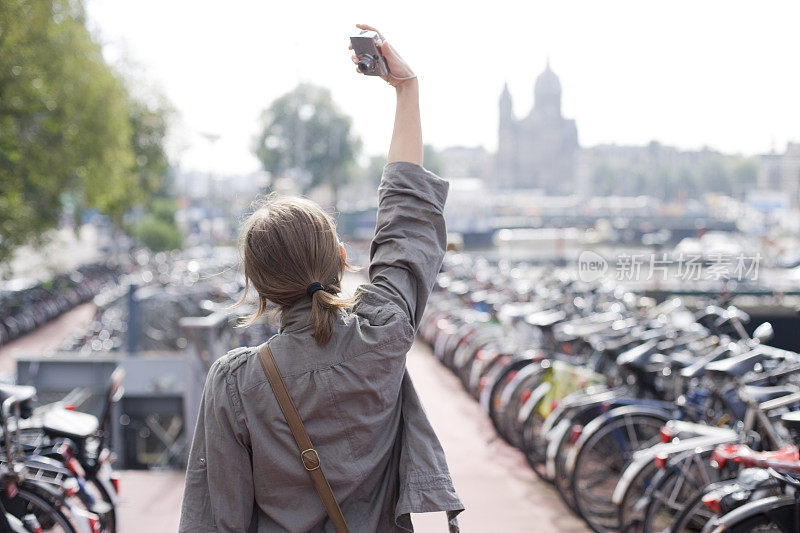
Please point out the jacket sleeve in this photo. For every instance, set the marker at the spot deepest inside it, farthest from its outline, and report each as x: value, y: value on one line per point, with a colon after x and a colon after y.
x: 218, y: 495
x: 410, y: 237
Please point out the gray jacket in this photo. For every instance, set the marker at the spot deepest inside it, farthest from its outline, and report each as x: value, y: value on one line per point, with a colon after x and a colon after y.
x: 378, y: 450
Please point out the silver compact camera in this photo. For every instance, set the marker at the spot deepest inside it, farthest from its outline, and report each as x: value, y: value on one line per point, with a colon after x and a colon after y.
x: 370, y: 60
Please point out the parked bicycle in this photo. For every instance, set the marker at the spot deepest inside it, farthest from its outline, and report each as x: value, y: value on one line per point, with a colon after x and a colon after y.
x: 55, y: 464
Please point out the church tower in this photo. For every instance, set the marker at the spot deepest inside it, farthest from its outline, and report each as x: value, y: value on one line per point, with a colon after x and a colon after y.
x: 547, y: 95
x: 538, y: 151
x: 506, y: 142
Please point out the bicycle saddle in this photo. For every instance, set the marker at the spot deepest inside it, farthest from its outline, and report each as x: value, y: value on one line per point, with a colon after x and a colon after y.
x: 613, y: 344
x: 696, y: 369
x: 763, y: 394
x: 680, y: 359
x: 572, y: 331
x: 792, y: 422
x: 679, y: 342
x: 545, y: 319
x: 736, y: 367
x: 70, y: 424
x: 21, y: 393
x: 578, y: 327
x: 639, y: 356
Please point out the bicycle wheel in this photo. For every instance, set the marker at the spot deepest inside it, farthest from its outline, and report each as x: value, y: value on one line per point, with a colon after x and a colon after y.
x: 50, y: 517
x: 601, y: 460
x: 100, y: 491
x: 504, y: 377
x: 532, y: 442
x: 514, y: 397
x: 694, y: 515
x: 778, y: 517
x: 675, y: 487
x: 631, y: 510
x: 561, y: 479
x: 572, y: 427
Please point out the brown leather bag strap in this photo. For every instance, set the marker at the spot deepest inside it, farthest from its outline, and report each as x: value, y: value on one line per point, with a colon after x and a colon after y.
x: 308, y: 455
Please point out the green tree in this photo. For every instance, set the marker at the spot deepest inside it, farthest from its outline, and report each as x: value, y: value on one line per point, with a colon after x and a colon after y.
x: 373, y: 171
x: 432, y: 159
x: 158, y: 230
x: 149, y: 124
x: 305, y: 130
x: 65, y: 129
x: 149, y: 117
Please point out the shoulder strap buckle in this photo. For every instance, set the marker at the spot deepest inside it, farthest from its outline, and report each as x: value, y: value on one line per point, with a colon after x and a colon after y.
x: 310, y: 459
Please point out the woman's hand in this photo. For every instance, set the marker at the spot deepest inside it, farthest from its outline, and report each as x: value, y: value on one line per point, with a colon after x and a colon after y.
x: 399, y: 71
x: 406, y: 142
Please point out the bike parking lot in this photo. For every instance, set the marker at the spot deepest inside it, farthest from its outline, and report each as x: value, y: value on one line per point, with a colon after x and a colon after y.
x: 644, y: 416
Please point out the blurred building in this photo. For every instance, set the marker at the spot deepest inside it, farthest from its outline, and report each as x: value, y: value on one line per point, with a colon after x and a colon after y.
x: 781, y: 173
x: 538, y: 151
x: 541, y: 152
x: 464, y: 162
x: 653, y: 169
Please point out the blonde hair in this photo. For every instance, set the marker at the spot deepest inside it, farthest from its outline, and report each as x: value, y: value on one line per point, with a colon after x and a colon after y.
x: 287, y: 244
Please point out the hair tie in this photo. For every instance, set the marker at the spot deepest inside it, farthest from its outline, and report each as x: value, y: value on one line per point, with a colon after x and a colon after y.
x: 314, y: 287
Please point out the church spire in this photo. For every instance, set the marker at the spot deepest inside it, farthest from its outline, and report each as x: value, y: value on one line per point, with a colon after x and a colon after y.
x: 547, y: 93
x: 506, y: 105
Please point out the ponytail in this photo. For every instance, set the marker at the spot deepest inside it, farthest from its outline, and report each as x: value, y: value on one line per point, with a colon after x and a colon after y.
x: 325, y: 307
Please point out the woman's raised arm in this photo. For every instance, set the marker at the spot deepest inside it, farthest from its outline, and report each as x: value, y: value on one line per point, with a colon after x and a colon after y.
x: 407, y: 134
x: 410, y: 234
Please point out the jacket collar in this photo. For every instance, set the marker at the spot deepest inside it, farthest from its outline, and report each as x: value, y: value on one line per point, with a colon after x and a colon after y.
x: 297, y: 316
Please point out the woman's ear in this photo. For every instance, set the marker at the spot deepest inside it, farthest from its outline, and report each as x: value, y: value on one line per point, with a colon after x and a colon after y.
x: 343, y: 252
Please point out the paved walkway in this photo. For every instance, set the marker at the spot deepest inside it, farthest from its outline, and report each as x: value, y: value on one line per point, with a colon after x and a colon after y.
x: 47, y: 338
x: 497, y: 487
x: 150, y: 502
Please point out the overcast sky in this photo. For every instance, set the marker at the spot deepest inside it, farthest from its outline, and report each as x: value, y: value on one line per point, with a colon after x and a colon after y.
x: 695, y: 73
